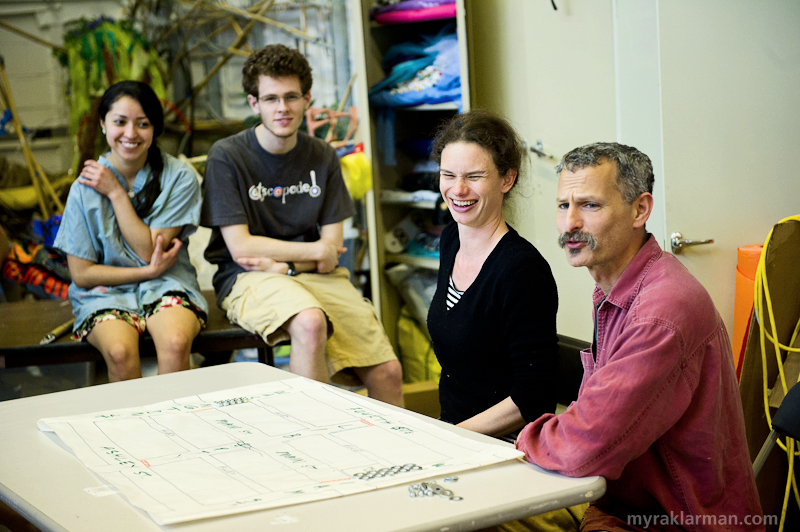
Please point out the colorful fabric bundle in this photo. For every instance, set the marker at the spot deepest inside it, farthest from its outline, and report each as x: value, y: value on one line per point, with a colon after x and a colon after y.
x: 32, y: 263
x: 424, y: 71
x: 39, y: 255
x: 401, y: 12
x: 37, y: 280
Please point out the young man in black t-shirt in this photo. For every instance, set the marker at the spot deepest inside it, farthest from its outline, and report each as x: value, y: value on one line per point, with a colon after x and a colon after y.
x: 276, y: 201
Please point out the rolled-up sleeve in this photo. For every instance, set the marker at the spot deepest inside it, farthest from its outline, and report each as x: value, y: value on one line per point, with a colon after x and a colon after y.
x: 624, y: 407
x: 180, y: 200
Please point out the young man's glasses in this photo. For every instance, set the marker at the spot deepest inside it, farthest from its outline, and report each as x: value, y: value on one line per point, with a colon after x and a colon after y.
x: 288, y: 99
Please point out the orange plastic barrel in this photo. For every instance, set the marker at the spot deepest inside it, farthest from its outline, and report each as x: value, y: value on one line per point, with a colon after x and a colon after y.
x: 746, y: 265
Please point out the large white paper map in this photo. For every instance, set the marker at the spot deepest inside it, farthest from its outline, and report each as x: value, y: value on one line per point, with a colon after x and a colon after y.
x: 293, y: 441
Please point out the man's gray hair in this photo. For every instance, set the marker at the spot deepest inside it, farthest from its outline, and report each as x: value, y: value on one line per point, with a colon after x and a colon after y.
x: 634, y: 169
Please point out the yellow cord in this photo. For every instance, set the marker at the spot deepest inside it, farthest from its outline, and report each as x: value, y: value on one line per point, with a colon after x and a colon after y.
x: 794, y: 484
x: 761, y: 296
x: 790, y: 445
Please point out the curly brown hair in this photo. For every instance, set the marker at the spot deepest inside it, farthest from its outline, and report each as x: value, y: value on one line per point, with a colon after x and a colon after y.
x: 489, y: 131
x: 277, y: 61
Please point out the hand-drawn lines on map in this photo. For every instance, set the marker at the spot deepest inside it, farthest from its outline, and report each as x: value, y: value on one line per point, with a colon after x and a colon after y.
x: 290, y: 442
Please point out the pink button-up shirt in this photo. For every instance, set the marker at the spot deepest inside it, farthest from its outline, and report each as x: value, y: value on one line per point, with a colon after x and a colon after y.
x: 658, y: 413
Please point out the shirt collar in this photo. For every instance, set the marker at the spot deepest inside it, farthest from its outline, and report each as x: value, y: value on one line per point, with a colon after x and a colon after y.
x: 141, y: 176
x: 627, y: 287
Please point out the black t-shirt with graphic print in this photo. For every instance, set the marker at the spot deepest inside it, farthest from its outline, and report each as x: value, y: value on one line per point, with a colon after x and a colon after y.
x: 288, y: 197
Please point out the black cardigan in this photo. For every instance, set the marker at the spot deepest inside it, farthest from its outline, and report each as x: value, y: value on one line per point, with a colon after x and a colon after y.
x: 500, y: 339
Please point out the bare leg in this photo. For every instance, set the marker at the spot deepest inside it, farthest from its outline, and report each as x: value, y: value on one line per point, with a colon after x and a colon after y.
x: 173, y: 329
x: 118, y: 342
x: 308, y: 330
x: 384, y: 382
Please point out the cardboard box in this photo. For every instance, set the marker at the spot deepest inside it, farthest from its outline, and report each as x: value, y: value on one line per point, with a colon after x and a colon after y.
x: 783, y: 280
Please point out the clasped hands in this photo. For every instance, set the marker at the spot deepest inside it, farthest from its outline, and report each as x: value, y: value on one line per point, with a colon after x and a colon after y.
x: 327, y: 259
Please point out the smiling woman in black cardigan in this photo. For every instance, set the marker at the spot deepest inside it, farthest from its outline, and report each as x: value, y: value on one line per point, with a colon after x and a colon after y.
x: 493, y: 317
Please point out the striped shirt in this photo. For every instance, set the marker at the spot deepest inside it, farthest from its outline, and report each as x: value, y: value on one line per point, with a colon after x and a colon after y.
x: 453, y: 294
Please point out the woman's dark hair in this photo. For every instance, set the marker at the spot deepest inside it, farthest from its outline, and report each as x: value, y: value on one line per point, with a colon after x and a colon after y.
x: 151, y: 105
x: 489, y: 131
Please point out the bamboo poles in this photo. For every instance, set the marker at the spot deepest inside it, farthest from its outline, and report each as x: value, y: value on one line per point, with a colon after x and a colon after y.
x: 197, y: 16
x: 335, y: 120
x: 27, y: 35
x: 41, y: 184
x: 241, y: 39
x: 186, y: 16
x: 258, y: 16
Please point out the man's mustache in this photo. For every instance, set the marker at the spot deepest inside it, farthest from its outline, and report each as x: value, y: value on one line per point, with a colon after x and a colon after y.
x: 577, y: 236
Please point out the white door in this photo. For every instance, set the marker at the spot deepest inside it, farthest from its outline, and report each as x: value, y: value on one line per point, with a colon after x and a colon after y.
x: 723, y: 104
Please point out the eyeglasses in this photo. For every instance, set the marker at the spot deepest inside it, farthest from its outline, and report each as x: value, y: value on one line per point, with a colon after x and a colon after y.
x: 288, y: 99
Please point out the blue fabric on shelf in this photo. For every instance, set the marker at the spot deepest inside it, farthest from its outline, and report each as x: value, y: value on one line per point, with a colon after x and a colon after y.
x: 419, y: 148
x: 424, y: 245
x: 424, y: 71
x: 384, y: 133
x: 424, y: 45
x: 438, y: 83
x: 402, y: 72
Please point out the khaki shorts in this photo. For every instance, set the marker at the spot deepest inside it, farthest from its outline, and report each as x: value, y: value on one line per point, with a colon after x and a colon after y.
x: 261, y: 302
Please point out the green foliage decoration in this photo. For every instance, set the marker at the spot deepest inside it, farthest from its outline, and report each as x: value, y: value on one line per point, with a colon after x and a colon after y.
x: 99, y: 53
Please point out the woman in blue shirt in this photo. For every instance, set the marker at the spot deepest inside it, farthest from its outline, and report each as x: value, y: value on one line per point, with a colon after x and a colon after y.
x: 124, y: 230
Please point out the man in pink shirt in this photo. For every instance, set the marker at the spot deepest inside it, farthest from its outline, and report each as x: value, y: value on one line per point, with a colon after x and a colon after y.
x: 658, y: 413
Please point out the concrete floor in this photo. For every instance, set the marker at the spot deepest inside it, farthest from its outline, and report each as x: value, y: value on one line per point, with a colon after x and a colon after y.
x: 16, y: 383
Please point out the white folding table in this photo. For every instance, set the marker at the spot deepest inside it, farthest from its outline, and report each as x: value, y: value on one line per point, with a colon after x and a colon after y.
x: 49, y: 486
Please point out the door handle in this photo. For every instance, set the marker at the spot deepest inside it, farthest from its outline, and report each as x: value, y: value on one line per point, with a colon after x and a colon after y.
x: 678, y: 242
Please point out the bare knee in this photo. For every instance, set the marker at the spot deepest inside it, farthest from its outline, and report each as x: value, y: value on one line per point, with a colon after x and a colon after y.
x: 384, y: 381
x: 178, y: 342
x: 309, y: 325
x: 173, y: 352
x: 390, y: 373
x: 308, y: 331
x: 121, y: 354
x: 122, y: 361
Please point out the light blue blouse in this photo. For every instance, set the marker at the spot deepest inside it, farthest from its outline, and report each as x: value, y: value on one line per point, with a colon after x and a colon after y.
x: 89, y: 230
